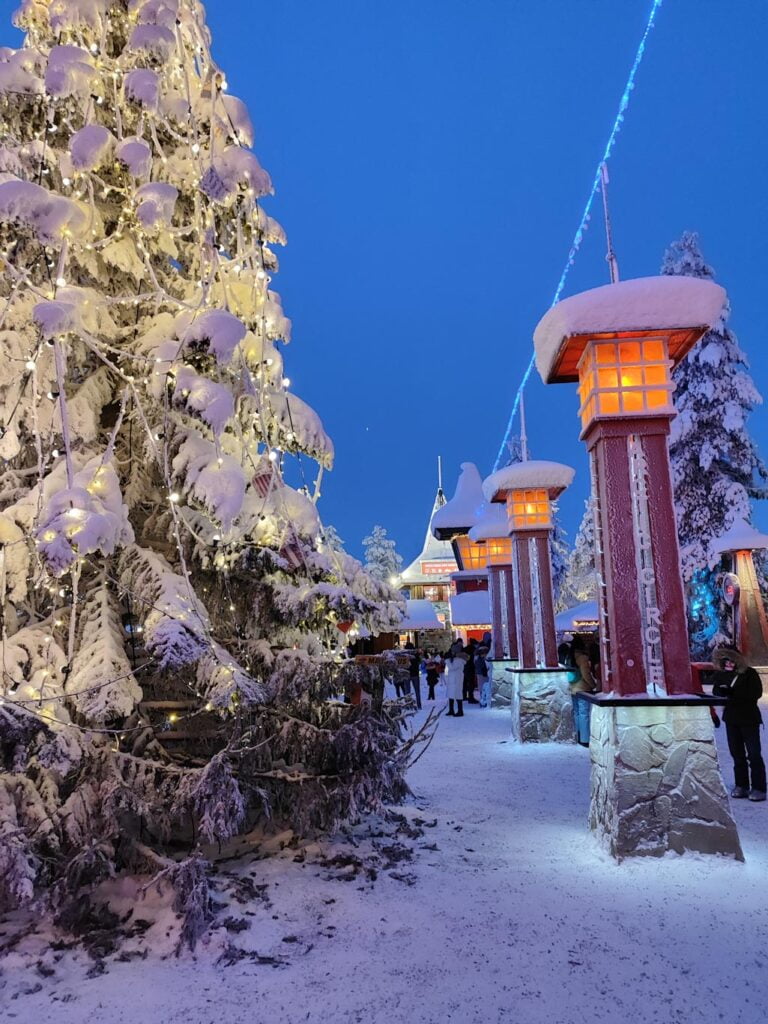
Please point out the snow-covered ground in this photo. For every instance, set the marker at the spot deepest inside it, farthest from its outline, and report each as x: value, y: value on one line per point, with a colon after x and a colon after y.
x: 498, y: 907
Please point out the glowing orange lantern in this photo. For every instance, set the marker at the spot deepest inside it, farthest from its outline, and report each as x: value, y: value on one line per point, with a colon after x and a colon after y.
x: 627, y: 376
x: 490, y: 532
x: 529, y: 509
x: 469, y: 553
x: 528, y: 489
x: 498, y: 551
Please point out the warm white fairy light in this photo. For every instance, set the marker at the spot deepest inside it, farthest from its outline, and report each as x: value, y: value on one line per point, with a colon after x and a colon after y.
x: 122, y: 246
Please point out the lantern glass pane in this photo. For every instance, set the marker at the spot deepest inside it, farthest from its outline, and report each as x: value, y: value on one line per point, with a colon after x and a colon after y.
x: 629, y: 352
x: 609, y: 403
x: 607, y: 378
x: 470, y: 555
x: 657, y: 399
x: 605, y: 353
x: 633, y: 401
x: 656, y: 375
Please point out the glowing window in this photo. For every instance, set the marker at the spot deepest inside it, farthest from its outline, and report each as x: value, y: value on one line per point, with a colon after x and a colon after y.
x: 469, y: 554
x: 624, y: 378
x: 529, y: 509
x: 498, y: 551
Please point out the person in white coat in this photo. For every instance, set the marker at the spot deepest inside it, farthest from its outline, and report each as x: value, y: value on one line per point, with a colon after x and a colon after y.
x: 454, y: 681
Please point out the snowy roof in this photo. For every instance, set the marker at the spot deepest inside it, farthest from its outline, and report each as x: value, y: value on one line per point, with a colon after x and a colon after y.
x: 433, y: 551
x: 458, y: 514
x: 573, y: 618
x: 740, y: 537
x: 554, y: 476
x: 491, y: 522
x: 472, y: 608
x: 675, y: 303
x: 420, y: 615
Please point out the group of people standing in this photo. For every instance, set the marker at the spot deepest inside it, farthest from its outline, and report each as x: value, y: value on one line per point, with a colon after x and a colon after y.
x: 466, y: 672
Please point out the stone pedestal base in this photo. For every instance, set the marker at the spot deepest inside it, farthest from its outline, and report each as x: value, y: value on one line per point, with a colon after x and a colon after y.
x: 656, y: 783
x: 501, y: 682
x: 541, y: 705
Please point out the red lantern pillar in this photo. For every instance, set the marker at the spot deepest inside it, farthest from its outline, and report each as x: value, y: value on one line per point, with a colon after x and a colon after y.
x: 491, y: 531
x: 528, y: 489
x: 503, y: 611
x: 656, y: 785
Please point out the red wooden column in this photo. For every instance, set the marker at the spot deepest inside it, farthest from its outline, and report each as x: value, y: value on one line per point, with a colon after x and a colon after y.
x: 546, y: 598
x: 527, y: 490
x: 642, y: 602
x: 497, y: 625
x: 509, y: 610
x: 607, y: 442
x: 503, y: 624
x: 521, y: 570
x: 670, y: 596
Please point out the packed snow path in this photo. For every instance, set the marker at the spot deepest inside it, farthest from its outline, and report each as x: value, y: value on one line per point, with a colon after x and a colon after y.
x: 516, y: 916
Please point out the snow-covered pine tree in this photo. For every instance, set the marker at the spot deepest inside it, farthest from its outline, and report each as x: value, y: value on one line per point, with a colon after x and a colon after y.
x: 381, y: 558
x: 559, y: 554
x: 580, y: 582
x: 167, y: 606
x: 716, y: 468
x: 331, y: 538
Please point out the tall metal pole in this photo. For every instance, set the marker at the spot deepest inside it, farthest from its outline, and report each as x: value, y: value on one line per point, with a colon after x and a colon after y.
x: 610, y: 256
x: 523, y: 434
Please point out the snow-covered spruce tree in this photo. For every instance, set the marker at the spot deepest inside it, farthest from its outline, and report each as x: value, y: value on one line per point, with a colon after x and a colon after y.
x: 331, y: 538
x: 381, y: 558
x: 580, y: 581
x: 559, y: 553
x: 716, y: 469
x: 168, y: 608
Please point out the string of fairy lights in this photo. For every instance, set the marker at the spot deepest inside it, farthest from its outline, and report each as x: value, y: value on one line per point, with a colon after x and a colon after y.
x: 585, y: 216
x: 218, y: 264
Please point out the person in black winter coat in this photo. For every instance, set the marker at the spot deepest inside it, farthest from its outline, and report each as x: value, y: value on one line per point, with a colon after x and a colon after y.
x: 414, y: 670
x: 742, y: 686
x: 470, y: 676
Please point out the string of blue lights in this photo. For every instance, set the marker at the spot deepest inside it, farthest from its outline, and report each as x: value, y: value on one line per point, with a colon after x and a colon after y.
x: 585, y: 217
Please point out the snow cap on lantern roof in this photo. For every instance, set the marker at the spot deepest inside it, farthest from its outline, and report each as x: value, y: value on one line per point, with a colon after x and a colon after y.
x: 458, y: 514
x: 472, y: 608
x: 419, y: 614
x: 681, y: 307
x: 553, y: 477
x: 491, y: 522
x: 740, y: 536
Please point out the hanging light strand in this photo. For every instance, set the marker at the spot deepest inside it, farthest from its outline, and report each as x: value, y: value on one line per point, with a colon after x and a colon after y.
x: 583, y: 223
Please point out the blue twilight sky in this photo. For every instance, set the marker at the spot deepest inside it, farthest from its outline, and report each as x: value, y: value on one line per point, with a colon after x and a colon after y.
x: 431, y: 159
